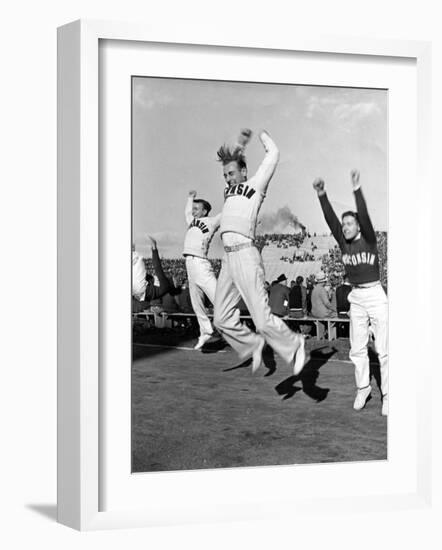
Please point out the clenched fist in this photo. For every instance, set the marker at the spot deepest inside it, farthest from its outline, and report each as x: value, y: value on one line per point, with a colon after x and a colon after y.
x: 244, y: 137
x: 151, y: 241
x: 355, y: 178
x: 192, y: 194
x: 319, y: 186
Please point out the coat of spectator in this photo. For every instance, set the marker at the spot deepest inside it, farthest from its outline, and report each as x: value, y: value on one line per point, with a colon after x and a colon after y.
x: 279, y: 297
x: 183, y: 299
x: 342, y: 303
x: 321, y: 304
x: 298, y: 298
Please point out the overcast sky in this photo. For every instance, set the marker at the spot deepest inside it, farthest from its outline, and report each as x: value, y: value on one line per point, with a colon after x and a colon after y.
x: 178, y: 125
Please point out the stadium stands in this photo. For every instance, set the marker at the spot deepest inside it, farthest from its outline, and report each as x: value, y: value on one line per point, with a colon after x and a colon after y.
x: 282, y: 253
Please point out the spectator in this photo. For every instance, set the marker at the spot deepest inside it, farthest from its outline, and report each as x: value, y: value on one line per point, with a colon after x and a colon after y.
x: 321, y: 303
x: 310, y: 287
x: 169, y: 300
x: 183, y: 299
x: 342, y: 303
x: 279, y: 296
x: 298, y: 298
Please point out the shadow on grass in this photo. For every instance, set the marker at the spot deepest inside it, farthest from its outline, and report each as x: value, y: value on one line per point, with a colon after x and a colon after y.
x: 158, y: 342
x: 214, y: 345
x: 268, y: 358
x: 308, y: 377
x: 245, y: 364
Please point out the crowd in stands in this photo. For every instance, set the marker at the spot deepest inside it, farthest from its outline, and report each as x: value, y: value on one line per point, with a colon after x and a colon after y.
x: 304, y: 257
x: 175, y: 268
x: 284, y: 240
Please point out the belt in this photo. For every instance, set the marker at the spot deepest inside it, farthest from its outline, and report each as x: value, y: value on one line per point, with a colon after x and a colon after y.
x: 367, y: 285
x: 195, y: 256
x: 237, y: 247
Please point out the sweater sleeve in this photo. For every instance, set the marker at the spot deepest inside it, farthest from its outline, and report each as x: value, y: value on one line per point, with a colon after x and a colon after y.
x: 188, y: 210
x: 331, y: 218
x: 217, y: 221
x: 268, y: 165
x: 153, y: 292
x: 365, y: 224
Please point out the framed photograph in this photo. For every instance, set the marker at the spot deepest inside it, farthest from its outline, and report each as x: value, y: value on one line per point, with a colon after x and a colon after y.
x: 217, y: 199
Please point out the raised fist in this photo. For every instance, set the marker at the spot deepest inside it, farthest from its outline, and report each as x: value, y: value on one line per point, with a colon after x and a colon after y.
x: 355, y: 178
x: 192, y: 194
x: 244, y: 136
x: 151, y: 241
x: 319, y: 185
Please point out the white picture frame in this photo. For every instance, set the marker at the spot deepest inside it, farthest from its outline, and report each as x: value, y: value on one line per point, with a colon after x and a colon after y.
x: 79, y: 475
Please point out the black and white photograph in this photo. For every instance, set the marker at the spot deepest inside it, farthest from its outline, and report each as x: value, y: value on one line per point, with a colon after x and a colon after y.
x: 231, y: 216
x: 259, y: 274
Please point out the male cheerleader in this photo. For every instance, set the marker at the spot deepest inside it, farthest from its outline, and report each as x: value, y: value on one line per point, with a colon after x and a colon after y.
x: 368, y: 303
x: 242, y: 270
x: 202, y: 280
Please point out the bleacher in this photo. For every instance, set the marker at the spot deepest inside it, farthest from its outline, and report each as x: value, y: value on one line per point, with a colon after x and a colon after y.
x: 325, y: 328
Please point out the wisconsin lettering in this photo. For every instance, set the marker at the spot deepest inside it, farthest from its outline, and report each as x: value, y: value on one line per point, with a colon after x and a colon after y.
x: 239, y: 189
x: 359, y: 258
x: 200, y: 225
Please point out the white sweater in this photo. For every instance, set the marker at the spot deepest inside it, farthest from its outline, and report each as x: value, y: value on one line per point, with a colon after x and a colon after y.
x: 243, y: 201
x: 200, y: 232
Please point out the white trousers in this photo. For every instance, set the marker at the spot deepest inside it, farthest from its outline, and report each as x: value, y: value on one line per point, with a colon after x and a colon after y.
x: 242, y: 275
x: 202, y: 282
x: 368, y: 306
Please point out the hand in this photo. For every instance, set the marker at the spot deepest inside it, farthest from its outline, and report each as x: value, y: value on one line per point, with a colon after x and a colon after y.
x: 355, y: 178
x: 244, y: 137
x: 152, y: 242
x: 192, y: 194
x: 319, y: 186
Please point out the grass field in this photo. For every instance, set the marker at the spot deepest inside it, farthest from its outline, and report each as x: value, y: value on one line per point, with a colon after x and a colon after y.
x: 193, y: 410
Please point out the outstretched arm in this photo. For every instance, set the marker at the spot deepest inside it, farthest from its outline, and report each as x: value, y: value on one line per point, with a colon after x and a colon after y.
x: 365, y: 224
x: 268, y: 165
x: 153, y: 292
x: 189, y: 206
x: 330, y: 217
x: 217, y: 219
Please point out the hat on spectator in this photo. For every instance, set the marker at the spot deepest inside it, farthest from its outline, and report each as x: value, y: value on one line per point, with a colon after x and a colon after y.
x: 320, y: 277
x: 281, y: 278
